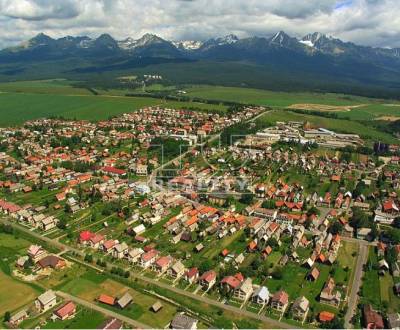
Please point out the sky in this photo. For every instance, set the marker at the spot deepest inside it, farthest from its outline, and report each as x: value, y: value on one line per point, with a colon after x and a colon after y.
x: 365, y: 22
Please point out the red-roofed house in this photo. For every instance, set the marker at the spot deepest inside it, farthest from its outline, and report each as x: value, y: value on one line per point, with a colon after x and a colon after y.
x: 280, y: 301
x: 66, y: 311
x: 208, y: 279
x: 105, y: 299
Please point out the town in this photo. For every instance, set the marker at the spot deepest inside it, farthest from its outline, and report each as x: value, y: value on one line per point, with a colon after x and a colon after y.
x: 166, y: 218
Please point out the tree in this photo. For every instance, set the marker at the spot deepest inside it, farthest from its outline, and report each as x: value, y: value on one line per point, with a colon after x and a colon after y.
x: 88, y: 258
x: 269, y: 204
x: 336, y: 228
x: 277, y: 273
x: 396, y: 222
x: 247, y: 198
x: 206, y: 265
x: 273, y: 242
x: 359, y: 219
x: 7, y: 316
x: 393, y: 235
x: 313, y: 210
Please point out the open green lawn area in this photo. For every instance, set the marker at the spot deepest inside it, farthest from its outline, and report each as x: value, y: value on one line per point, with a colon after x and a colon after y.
x: 11, y: 247
x: 339, y: 125
x: 371, y: 292
x: 387, y: 294
x: 89, y: 285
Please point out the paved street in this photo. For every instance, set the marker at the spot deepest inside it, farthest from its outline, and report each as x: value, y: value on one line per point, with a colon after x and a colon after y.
x: 353, y: 299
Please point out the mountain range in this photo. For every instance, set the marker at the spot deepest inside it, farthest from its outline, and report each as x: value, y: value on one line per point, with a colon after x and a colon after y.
x: 309, y: 60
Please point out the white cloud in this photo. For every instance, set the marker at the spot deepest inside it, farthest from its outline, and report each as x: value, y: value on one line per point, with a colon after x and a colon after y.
x: 371, y: 22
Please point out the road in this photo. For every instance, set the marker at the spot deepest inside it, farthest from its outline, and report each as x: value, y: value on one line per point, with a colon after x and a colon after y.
x: 273, y: 323
x: 353, y: 298
x: 102, y: 310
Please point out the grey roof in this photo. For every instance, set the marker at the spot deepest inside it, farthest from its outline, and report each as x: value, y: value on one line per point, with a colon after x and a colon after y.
x: 46, y: 297
x: 178, y: 267
x: 301, y: 303
x: 18, y: 316
x: 125, y: 300
x: 182, y: 321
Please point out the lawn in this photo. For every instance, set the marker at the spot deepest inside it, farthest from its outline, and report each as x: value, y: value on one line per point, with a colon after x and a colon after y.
x: 14, y: 294
x: 89, y: 285
x: 387, y: 294
x: 371, y: 292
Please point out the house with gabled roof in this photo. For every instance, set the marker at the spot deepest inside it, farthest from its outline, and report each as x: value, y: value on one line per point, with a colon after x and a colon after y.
x: 208, y: 279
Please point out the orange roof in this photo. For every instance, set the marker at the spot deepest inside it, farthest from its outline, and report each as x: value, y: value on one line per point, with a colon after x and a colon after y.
x: 105, y: 299
x: 192, y: 220
x: 326, y: 316
x: 224, y: 252
x: 252, y: 245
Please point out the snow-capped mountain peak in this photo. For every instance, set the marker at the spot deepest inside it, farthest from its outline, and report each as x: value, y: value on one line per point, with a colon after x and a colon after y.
x: 188, y: 44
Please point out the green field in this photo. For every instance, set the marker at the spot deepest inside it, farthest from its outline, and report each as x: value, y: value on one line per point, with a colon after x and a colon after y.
x: 15, y: 108
x: 372, y: 108
x: 270, y: 98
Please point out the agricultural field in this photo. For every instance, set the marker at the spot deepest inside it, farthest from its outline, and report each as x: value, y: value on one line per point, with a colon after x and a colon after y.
x: 14, y: 294
x: 345, y: 106
x: 22, y: 294
x: 26, y: 100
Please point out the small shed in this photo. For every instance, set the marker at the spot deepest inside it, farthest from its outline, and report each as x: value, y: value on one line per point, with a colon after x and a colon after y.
x: 156, y: 306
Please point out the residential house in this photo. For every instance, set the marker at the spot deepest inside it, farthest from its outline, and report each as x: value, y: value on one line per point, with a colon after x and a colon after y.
x: 300, y: 308
x: 120, y: 250
x: 177, y: 270
x: 208, y: 279
x: 18, y: 317
x: 66, y: 311
x: 260, y: 296
x: 162, y: 264
x: 280, y: 301
x: 46, y: 301
x: 329, y: 295
x: 51, y: 261
x: 134, y: 255
x: 191, y: 275
x: 106, y: 299
x: 148, y: 258
x: 36, y: 252
x: 245, y: 289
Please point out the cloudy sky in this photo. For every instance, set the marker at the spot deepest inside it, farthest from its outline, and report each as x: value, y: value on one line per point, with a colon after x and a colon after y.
x: 369, y: 22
